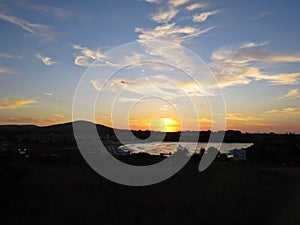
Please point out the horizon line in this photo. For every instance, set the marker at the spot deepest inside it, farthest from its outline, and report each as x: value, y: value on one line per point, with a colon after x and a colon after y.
x: 70, y: 122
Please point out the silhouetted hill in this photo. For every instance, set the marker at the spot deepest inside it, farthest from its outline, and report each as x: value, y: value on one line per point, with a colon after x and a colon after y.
x: 65, y: 128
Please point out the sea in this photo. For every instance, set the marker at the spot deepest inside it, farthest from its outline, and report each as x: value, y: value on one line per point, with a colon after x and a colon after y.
x: 157, y: 148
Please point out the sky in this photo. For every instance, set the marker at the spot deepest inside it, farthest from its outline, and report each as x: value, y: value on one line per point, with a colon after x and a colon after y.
x: 250, y: 48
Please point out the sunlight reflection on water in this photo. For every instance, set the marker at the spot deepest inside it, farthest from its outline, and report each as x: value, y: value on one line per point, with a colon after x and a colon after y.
x: 156, y: 148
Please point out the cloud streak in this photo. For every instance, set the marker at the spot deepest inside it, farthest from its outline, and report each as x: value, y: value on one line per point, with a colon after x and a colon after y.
x: 48, y: 94
x: 294, y: 93
x: 243, y: 117
x: 51, y: 10
x: 159, y: 85
x: 58, y: 115
x: 285, y: 111
x: 46, y: 60
x: 252, y: 52
x: 33, y: 29
x: 153, y: 1
x: 28, y: 120
x: 177, y: 3
x: 4, y: 70
x: 6, y: 56
x: 164, y: 16
x: 201, y: 17
x: 170, y: 32
x: 241, y: 64
x: 261, y: 15
x: 196, y: 6
x: 14, y: 103
x: 87, y: 56
x: 174, y: 32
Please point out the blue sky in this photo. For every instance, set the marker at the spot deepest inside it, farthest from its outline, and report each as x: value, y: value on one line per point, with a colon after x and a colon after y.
x: 252, y: 47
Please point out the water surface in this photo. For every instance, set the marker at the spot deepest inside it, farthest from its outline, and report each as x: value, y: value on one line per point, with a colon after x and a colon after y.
x: 156, y: 148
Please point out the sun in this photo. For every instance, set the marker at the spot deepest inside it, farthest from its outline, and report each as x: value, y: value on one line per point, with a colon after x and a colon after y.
x: 164, y: 124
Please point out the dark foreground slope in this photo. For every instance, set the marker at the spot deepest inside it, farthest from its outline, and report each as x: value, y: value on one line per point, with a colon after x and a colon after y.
x: 69, y: 192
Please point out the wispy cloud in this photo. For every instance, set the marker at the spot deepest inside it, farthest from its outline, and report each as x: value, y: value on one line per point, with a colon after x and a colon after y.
x: 9, y: 56
x: 164, y: 16
x: 243, y: 117
x: 201, y: 17
x: 294, y: 93
x: 48, y: 93
x: 164, y: 108
x: 27, y: 120
x: 46, y: 60
x: 96, y: 84
x: 5, y: 70
x: 33, y: 29
x: 56, y: 12
x: 45, y: 9
x: 87, y: 56
x: 196, y: 6
x: 13, y: 103
x: 285, y: 111
x: 170, y: 32
x: 153, y: 1
x: 233, y: 75
x: 205, y: 120
x: 262, y: 120
x: 6, y: 56
x: 58, y: 115
x: 173, y: 3
x: 252, y: 52
x: 253, y: 44
x: 160, y: 85
x: 278, y: 78
x: 178, y: 2
x: 126, y: 99
x: 242, y: 64
x: 261, y: 15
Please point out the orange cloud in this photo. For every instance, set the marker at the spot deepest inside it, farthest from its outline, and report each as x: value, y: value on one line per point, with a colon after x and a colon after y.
x: 294, y: 111
x: 28, y: 120
x: 58, y: 115
x: 242, y: 117
x: 13, y: 103
x: 294, y: 93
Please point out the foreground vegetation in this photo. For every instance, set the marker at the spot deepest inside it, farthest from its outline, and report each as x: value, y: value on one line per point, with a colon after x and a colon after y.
x: 69, y: 192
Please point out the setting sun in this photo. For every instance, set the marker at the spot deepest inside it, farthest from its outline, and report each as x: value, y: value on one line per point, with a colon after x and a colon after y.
x: 166, y: 124
x: 170, y: 125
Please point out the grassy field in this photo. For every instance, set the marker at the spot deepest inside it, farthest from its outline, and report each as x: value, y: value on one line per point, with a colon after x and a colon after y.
x: 70, y: 192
